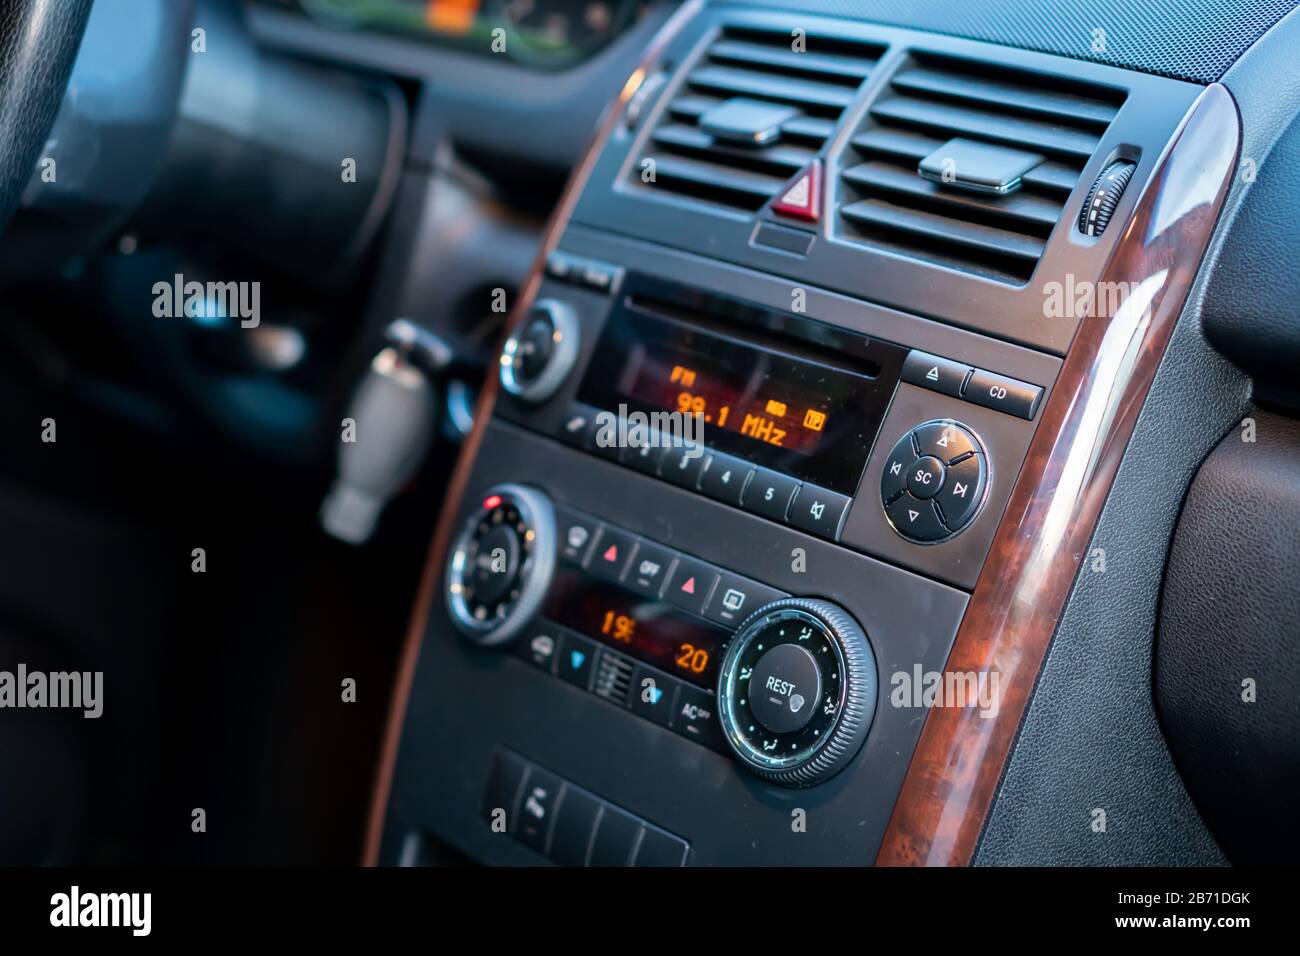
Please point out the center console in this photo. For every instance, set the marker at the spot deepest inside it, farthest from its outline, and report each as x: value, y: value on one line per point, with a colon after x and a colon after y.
x: 749, y: 456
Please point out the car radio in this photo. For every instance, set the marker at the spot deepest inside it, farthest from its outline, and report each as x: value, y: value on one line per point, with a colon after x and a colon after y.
x: 790, y: 407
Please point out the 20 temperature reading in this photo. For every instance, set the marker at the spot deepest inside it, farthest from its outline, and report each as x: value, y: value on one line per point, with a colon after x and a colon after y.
x: 693, y: 659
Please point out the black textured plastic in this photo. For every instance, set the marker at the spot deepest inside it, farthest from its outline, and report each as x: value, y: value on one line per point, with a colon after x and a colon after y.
x: 1187, y: 39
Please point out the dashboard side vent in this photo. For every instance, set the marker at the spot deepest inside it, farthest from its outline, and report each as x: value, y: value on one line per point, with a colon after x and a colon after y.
x: 934, y: 104
x: 794, y: 99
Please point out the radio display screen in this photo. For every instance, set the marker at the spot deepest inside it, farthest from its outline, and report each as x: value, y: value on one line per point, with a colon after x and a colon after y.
x: 640, y: 627
x: 810, y: 410
x: 786, y: 404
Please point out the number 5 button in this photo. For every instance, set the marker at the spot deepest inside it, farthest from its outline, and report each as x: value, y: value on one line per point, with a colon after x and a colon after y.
x: 768, y: 494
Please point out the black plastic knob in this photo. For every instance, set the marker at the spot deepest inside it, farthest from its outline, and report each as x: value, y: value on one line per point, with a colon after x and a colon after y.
x: 541, y: 352
x: 797, y: 691
x: 1104, y: 196
x: 501, y: 564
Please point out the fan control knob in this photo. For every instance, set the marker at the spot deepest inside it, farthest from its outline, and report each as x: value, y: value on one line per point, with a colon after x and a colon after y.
x: 797, y: 691
x: 501, y: 564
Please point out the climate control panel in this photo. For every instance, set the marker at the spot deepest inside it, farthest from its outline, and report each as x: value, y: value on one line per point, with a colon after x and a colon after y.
x: 786, y: 684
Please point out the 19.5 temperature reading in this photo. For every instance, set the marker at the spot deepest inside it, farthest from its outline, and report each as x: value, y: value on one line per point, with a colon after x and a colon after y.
x: 621, y: 627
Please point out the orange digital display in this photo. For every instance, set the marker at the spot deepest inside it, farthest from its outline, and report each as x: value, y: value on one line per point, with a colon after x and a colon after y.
x: 796, y: 396
x: 640, y: 627
x: 621, y: 627
x: 777, y: 413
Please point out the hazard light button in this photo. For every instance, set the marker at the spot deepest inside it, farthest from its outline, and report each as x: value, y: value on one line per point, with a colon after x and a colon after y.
x: 801, y: 197
x: 690, y: 585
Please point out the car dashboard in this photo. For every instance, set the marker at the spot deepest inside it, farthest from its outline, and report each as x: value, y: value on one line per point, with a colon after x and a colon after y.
x: 913, y: 289
x: 643, y: 433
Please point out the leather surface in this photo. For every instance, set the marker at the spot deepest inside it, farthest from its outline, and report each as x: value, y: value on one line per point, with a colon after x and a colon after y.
x: 1251, y: 312
x: 38, y: 46
x: 1231, y: 612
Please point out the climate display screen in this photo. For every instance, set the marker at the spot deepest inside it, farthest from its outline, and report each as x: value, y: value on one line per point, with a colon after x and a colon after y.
x: 640, y: 627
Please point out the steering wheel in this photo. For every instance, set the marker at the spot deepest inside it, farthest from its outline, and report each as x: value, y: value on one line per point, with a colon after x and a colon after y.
x: 38, y: 46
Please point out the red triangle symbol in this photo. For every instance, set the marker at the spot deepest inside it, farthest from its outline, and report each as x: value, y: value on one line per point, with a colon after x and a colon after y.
x: 612, y: 553
x: 689, y: 586
x: 802, y: 196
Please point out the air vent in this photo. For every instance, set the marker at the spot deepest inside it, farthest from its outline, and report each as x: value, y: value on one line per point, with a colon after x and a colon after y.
x: 794, y: 99
x: 933, y: 101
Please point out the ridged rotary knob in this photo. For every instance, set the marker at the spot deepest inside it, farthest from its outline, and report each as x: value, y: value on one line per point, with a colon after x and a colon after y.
x: 1104, y: 196
x: 797, y: 691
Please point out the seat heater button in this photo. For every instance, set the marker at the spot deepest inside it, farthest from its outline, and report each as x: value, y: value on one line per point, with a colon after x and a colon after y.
x: 537, y: 812
x: 576, y: 533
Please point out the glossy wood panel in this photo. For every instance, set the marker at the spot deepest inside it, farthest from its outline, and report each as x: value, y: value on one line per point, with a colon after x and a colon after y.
x: 482, y: 414
x: 1057, y: 501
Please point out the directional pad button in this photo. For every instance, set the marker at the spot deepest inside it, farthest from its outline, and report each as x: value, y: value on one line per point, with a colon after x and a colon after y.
x: 915, y: 519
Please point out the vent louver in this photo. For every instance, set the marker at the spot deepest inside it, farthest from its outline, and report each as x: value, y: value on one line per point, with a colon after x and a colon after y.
x: 757, y: 68
x: 885, y: 202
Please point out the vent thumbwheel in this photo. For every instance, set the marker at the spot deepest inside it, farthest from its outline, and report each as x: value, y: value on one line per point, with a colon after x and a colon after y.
x: 1104, y: 196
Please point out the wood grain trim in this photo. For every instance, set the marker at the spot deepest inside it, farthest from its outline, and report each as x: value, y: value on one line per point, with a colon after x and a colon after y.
x: 1057, y: 500
x: 482, y: 414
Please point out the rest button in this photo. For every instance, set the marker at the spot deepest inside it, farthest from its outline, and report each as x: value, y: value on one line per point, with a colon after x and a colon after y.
x: 785, y: 688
